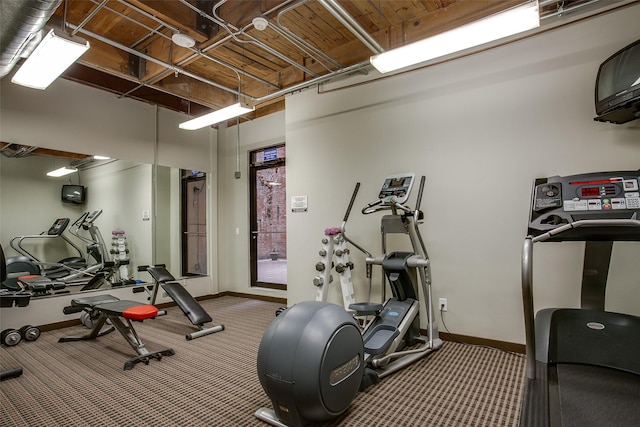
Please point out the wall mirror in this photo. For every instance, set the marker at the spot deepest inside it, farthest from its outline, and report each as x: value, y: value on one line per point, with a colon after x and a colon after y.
x: 139, y: 208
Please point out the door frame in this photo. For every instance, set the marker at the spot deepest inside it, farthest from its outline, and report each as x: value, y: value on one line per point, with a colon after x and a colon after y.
x: 253, y: 215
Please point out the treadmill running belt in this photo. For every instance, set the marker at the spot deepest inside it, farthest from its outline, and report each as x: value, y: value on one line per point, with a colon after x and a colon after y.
x: 596, y: 396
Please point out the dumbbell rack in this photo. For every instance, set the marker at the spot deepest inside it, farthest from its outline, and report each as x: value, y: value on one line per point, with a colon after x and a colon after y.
x: 121, y: 253
x: 333, y: 244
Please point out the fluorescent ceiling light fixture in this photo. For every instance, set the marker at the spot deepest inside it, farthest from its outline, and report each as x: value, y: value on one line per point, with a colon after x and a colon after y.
x: 62, y: 171
x: 54, y: 54
x: 218, y: 116
x: 511, y: 21
x: 96, y: 157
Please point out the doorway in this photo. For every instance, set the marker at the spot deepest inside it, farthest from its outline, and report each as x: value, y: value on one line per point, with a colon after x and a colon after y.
x: 268, y: 217
x: 194, y: 222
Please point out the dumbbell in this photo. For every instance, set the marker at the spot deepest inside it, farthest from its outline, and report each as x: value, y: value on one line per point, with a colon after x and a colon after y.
x: 30, y: 333
x: 10, y: 337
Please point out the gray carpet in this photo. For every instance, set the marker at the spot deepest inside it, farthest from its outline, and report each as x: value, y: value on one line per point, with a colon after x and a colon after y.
x: 212, y: 381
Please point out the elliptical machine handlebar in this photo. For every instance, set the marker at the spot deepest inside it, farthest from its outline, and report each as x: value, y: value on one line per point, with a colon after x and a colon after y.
x: 353, y: 199
x: 344, y: 223
x: 420, y: 190
x: 78, y: 222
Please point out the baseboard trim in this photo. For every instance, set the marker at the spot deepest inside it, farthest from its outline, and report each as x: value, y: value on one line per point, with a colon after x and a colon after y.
x: 445, y: 336
x: 486, y: 342
x: 267, y: 298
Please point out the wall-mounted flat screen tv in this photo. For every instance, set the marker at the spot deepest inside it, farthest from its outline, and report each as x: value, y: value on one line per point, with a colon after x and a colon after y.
x: 618, y: 86
x: 73, y: 194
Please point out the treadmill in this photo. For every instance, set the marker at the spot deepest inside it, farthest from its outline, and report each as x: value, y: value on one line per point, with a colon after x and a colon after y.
x: 582, y: 364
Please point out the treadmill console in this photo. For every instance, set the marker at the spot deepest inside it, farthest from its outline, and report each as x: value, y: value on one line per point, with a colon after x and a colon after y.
x: 397, y: 187
x: 58, y: 227
x: 593, y: 196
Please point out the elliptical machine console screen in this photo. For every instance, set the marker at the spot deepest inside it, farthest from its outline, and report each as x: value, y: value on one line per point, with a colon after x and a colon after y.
x: 397, y: 187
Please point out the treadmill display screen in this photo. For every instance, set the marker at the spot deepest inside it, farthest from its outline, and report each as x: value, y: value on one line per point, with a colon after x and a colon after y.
x: 590, y: 191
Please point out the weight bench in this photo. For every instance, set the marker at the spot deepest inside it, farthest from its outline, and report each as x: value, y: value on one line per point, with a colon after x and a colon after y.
x: 187, y: 303
x: 41, y: 285
x: 120, y: 313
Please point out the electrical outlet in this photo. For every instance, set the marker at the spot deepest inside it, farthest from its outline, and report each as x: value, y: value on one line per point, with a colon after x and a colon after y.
x: 443, y: 304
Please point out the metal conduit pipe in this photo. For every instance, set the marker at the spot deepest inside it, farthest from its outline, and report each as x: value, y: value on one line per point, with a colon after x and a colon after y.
x: 352, y: 25
x: 196, y: 52
x: 292, y: 35
x: 315, y: 81
x: 303, y: 85
x: 89, y: 16
x: 252, y: 40
x: 144, y: 13
x: 155, y: 61
x: 562, y: 10
x: 19, y: 151
x: 303, y: 46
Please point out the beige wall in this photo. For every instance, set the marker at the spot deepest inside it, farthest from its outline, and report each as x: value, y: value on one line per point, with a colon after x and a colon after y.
x: 480, y: 129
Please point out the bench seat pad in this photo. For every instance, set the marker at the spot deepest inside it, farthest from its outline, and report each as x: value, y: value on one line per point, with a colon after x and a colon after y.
x: 129, y: 309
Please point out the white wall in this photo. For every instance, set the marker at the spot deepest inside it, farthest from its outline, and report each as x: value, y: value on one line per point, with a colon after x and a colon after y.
x: 71, y: 117
x: 480, y: 128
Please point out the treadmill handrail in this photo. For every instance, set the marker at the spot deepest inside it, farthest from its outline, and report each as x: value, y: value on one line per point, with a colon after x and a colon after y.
x: 527, y: 278
x: 16, y: 243
x: 586, y: 223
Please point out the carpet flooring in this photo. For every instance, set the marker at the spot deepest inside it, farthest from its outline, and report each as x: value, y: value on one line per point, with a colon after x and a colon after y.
x: 212, y: 380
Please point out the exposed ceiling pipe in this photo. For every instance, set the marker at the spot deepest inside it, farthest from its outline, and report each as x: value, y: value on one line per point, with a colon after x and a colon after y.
x: 352, y: 25
x: 234, y: 32
x: 20, y: 22
x: 562, y: 10
x: 89, y: 17
x: 196, y: 52
x: 303, y: 85
x: 152, y: 59
x: 12, y: 150
x: 299, y: 41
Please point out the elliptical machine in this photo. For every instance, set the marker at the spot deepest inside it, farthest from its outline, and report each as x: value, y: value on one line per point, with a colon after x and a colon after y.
x: 52, y: 270
x: 41, y: 276
x: 396, y: 322
x: 314, y: 358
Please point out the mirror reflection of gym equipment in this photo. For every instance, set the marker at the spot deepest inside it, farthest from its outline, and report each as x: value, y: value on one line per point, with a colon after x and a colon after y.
x: 121, y: 188
x: 315, y: 357
x: 89, y: 272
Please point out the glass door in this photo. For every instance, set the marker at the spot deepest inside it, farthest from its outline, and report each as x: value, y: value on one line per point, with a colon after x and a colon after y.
x: 268, y: 240
x: 194, y: 223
